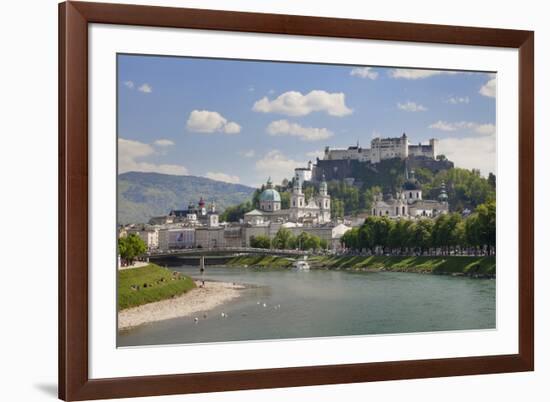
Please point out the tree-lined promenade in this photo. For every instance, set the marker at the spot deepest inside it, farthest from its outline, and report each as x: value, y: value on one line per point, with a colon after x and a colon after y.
x: 447, y: 234
x: 285, y: 240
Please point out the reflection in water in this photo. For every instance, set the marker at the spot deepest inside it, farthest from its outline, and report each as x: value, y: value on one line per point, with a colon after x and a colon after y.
x: 283, y: 303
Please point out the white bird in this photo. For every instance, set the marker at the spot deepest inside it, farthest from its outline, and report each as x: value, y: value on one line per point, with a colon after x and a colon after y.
x: 196, y: 319
x: 258, y: 303
x: 265, y: 305
x: 224, y: 315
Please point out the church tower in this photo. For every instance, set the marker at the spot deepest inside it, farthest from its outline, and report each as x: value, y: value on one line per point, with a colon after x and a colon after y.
x: 297, y: 199
x: 324, y: 201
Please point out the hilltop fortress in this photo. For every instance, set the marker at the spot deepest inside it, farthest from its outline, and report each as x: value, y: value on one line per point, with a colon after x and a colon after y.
x: 383, y: 148
x: 352, y: 162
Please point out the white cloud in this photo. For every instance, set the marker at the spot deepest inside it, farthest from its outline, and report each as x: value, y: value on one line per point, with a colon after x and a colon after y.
x: 479, y: 128
x: 284, y: 127
x: 205, y: 121
x: 443, y: 126
x: 145, y: 88
x: 454, y: 100
x: 277, y: 165
x: 231, y: 128
x: 223, y: 177
x: 486, y: 129
x: 130, y: 159
x: 471, y: 152
x: 129, y: 84
x: 315, y: 154
x: 411, y: 107
x: 248, y: 153
x: 364, y: 72
x: 164, y: 143
x: 489, y: 88
x: 416, y: 74
x: 293, y: 103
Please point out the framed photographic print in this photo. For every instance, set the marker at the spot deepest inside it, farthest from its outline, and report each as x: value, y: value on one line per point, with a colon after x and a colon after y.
x: 260, y: 200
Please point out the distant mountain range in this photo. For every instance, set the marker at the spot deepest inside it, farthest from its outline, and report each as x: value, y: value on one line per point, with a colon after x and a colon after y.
x: 144, y: 195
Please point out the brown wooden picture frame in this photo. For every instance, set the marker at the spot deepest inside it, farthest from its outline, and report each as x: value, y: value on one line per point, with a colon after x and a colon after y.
x: 74, y: 381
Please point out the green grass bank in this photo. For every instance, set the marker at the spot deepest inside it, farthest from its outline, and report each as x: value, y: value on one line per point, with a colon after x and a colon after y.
x: 451, y: 265
x: 137, y: 286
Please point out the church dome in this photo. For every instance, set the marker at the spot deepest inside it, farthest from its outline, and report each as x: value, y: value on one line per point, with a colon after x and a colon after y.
x: 270, y: 194
x: 411, y: 183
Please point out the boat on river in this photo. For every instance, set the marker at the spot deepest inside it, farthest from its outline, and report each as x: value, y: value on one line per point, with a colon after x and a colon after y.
x: 301, y: 265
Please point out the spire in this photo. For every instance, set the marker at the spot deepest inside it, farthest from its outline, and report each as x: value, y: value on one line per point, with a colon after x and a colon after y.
x: 269, y: 184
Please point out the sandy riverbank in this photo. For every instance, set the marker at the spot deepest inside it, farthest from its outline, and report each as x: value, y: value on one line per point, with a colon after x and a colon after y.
x: 198, y: 300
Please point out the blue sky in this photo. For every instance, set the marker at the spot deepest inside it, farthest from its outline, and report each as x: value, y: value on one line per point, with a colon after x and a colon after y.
x: 242, y: 121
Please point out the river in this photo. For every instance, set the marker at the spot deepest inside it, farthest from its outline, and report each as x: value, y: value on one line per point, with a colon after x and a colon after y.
x: 322, y: 303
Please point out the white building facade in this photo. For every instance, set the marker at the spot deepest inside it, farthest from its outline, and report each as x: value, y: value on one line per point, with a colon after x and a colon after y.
x: 382, y: 149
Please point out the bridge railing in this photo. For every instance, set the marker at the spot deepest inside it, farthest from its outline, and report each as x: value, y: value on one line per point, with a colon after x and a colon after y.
x: 205, y: 250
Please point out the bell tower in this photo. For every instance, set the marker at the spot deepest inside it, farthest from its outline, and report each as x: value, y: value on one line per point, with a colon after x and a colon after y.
x: 324, y: 201
x: 297, y: 200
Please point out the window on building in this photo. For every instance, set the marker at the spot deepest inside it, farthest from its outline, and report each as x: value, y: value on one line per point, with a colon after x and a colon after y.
x: 410, y: 194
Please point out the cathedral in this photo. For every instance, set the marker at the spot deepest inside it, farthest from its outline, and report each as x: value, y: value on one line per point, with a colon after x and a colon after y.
x: 315, y: 211
x: 408, y: 203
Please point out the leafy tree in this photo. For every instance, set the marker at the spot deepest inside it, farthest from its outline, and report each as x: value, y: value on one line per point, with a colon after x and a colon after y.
x: 337, y: 208
x: 283, y: 239
x: 236, y: 212
x: 492, y: 179
x: 399, y: 235
x: 130, y: 247
x: 367, y: 197
x: 381, y: 228
x: 285, y: 199
x: 260, y: 241
x: 465, y: 188
x: 307, y: 241
x: 350, y: 239
x: 421, y: 234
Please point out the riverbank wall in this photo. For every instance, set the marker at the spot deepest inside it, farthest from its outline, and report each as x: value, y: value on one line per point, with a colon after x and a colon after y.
x: 472, y: 266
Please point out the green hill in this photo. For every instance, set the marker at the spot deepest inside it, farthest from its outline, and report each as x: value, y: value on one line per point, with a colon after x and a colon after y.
x: 144, y: 195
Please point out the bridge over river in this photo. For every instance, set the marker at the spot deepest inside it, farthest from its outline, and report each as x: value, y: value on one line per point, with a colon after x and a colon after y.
x: 226, y: 251
x: 215, y: 256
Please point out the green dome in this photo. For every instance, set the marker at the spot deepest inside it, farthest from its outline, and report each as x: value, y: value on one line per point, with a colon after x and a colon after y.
x: 270, y: 195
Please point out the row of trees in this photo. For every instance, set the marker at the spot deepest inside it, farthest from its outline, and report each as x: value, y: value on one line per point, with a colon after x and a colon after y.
x: 130, y: 247
x: 285, y: 240
x: 475, y: 234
